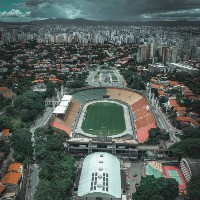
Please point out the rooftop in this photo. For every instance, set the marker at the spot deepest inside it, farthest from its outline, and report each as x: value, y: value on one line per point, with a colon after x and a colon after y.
x: 14, y: 167
x: 99, y: 176
x: 11, y: 178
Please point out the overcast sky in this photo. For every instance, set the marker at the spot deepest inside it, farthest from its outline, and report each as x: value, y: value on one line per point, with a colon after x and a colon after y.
x: 124, y: 10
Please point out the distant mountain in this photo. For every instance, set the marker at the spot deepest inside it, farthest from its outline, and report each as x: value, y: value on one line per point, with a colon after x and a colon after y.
x: 80, y: 21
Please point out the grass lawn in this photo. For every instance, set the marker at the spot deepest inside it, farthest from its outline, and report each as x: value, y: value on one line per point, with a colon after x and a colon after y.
x: 104, y: 119
x: 96, y: 77
x: 114, y: 78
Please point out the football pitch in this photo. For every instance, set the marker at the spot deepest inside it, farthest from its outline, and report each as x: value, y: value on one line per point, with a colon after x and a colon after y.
x: 104, y: 119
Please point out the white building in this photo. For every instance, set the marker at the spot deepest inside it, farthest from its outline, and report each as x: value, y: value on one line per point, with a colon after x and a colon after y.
x: 183, y: 67
x: 100, y: 177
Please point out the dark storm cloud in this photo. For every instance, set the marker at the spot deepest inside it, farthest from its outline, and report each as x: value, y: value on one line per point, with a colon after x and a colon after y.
x: 115, y: 9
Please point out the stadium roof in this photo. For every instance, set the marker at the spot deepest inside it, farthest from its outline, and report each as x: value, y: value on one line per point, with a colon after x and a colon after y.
x: 60, y: 110
x: 64, y: 103
x: 66, y: 98
x: 100, y: 174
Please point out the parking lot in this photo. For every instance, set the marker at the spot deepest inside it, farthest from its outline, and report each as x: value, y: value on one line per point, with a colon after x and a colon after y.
x: 134, y: 170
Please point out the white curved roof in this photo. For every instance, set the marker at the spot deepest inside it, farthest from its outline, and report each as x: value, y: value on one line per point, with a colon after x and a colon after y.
x: 100, y: 174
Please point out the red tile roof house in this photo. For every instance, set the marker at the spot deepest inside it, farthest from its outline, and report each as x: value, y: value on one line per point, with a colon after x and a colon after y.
x: 2, y: 189
x: 5, y: 133
x: 4, y: 90
x: 188, y: 120
x: 12, y: 180
x: 6, y: 93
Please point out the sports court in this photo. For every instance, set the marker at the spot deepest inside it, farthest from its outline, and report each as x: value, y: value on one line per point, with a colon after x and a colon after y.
x: 174, y: 172
x: 104, y: 118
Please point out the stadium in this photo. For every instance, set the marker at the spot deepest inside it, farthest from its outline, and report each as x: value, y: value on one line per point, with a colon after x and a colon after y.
x: 110, y: 119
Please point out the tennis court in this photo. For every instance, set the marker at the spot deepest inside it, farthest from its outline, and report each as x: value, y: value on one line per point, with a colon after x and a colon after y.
x: 104, y: 119
x: 174, y: 172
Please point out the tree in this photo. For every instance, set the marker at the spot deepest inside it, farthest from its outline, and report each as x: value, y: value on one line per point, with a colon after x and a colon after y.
x: 5, y: 122
x: 186, y: 148
x: 44, y: 191
x: 193, y: 188
x: 157, y: 197
x: 29, y: 105
x: 22, y: 145
x: 156, y: 134
x: 191, y: 132
x: 156, y: 188
x: 50, y: 92
x: 57, y: 168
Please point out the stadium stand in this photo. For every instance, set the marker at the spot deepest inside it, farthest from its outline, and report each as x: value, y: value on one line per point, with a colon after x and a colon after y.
x: 113, y: 92
x: 79, y: 97
x: 58, y: 123
x: 144, y: 119
x: 143, y: 133
x: 71, y: 113
x: 98, y: 93
x: 134, y: 98
x: 141, y: 112
x: 127, y: 96
x: 89, y: 94
x: 124, y: 95
x: 139, y: 104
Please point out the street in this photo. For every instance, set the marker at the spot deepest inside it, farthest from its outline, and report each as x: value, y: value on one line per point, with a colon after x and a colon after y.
x: 34, y: 169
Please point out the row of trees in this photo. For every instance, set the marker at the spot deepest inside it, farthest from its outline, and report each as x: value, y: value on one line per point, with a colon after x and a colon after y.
x: 22, y: 145
x: 189, y: 146
x: 26, y: 106
x: 156, y: 189
x: 136, y: 81
x: 77, y: 80
x: 155, y: 135
x: 57, y: 171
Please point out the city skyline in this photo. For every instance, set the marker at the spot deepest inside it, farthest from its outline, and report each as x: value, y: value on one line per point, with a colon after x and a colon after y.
x: 117, y: 10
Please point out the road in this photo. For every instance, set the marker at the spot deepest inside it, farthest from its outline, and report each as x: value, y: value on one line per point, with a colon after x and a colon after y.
x: 34, y: 179
x: 165, y: 124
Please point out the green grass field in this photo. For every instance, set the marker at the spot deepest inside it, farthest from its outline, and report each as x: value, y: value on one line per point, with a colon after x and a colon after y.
x: 96, y: 77
x: 104, y: 119
x: 114, y: 78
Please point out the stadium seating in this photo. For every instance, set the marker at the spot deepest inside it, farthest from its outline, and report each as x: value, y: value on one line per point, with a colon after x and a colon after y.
x: 88, y: 95
x: 113, y: 92
x: 143, y: 133
x: 134, y: 98
x: 124, y: 95
x: 144, y: 119
x: 98, y: 93
x: 139, y: 104
x: 58, y: 123
x: 127, y: 96
x: 79, y: 97
x: 141, y: 112
x: 71, y: 113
